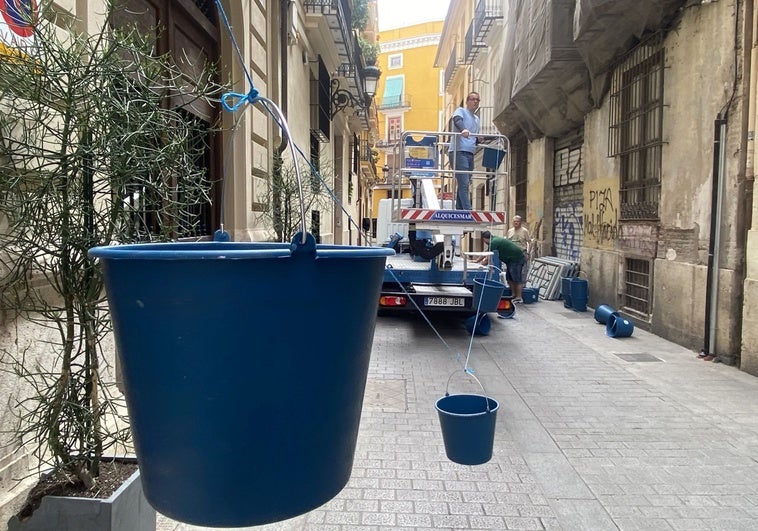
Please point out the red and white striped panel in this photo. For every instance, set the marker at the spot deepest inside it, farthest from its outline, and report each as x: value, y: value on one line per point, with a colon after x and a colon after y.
x: 452, y: 216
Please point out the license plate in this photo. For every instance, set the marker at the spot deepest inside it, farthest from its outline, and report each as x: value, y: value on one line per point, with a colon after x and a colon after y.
x: 444, y: 301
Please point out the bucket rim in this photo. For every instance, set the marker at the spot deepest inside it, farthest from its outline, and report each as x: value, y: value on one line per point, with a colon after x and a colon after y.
x: 227, y: 250
x: 492, y: 409
x: 489, y: 283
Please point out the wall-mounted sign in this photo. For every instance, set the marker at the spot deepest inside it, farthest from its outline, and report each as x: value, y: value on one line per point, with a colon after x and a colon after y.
x: 17, y: 20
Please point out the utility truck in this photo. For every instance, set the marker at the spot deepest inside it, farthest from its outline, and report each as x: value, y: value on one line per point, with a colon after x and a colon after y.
x: 432, y: 270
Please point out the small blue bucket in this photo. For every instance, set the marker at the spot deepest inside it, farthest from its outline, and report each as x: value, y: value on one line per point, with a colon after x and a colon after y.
x: 602, y: 313
x: 487, y: 293
x: 479, y: 324
x: 618, y: 326
x: 530, y: 295
x: 468, y: 427
x: 491, y: 158
x: 236, y: 422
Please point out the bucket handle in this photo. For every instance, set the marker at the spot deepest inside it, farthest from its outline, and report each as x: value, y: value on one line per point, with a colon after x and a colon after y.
x: 471, y: 374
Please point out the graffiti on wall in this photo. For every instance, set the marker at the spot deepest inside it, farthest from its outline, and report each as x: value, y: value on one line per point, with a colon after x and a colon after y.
x: 568, y: 230
x: 602, y: 216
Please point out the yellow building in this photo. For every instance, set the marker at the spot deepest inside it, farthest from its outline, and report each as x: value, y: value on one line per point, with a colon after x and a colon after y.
x: 409, y: 96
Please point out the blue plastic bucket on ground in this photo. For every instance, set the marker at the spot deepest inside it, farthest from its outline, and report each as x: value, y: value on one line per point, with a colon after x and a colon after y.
x: 468, y: 427
x: 487, y: 293
x: 530, y: 295
x: 618, y: 326
x: 602, y: 313
x: 566, y: 291
x: 479, y: 324
x: 579, y: 294
x: 244, y: 382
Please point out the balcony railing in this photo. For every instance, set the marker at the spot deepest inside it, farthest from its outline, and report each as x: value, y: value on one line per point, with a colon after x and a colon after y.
x: 486, y: 115
x: 473, y: 46
x: 485, y: 14
x: 394, y: 102
x: 338, y: 17
x: 454, y: 64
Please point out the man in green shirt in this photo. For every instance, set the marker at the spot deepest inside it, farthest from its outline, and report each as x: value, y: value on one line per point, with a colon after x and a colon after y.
x: 512, y: 256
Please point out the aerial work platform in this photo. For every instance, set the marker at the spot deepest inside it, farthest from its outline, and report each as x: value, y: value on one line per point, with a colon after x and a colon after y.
x: 426, y: 160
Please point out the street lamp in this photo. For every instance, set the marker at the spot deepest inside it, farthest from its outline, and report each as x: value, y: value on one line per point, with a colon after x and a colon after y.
x: 342, y: 98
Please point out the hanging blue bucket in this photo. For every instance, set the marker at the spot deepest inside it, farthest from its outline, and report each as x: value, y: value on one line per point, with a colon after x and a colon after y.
x: 481, y: 323
x: 602, y: 313
x: 579, y: 295
x: 468, y: 427
x: 566, y: 291
x: 618, y: 326
x: 244, y: 367
x: 487, y: 293
x: 491, y: 158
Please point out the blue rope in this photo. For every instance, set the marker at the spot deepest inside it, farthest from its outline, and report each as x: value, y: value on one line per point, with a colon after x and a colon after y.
x: 252, y: 96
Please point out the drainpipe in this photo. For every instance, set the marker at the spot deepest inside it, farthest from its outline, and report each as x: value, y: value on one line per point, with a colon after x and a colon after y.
x: 753, y: 51
x: 717, y: 193
x: 284, y: 21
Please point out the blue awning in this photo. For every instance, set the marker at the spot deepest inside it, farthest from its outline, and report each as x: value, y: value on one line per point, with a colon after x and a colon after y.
x: 393, y: 91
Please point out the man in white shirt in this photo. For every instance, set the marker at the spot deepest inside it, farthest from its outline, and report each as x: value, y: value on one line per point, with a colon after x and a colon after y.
x: 465, y: 122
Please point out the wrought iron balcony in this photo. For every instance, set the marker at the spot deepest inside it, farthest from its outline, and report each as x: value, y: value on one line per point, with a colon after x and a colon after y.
x: 486, y: 115
x: 339, y: 20
x: 398, y: 101
x: 454, y: 64
x: 473, y: 46
x: 485, y: 14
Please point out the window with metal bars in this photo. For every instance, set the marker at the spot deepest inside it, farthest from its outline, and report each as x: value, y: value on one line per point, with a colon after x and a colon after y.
x: 637, y: 284
x: 636, y: 128
x: 518, y: 172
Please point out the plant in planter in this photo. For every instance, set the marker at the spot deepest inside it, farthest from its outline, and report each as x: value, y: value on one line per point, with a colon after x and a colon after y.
x: 284, y: 200
x: 95, y: 148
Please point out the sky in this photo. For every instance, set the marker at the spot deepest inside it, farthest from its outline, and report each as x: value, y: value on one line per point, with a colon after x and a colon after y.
x: 401, y: 13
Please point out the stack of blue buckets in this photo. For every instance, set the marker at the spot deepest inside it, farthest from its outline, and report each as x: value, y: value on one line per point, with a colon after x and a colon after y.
x: 575, y: 293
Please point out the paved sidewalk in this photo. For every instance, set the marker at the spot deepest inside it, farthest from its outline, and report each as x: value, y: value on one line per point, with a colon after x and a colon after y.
x: 593, y: 433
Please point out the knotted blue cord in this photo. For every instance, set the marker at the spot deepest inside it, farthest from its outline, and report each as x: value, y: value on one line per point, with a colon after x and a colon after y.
x: 253, y: 94
x: 251, y: 97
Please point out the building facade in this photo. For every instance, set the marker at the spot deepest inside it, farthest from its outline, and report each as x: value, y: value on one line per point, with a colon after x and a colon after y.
x: 632, y: 133
x: 409, y: 97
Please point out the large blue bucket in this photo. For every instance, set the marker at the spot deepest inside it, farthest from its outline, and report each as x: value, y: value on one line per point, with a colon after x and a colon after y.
x: 579, y: 294
x: 468, y: 427
x: 618, y: 326
x: 487, y: 293
x: 602, y: 313
x: 244, y: 367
